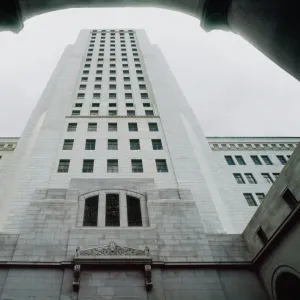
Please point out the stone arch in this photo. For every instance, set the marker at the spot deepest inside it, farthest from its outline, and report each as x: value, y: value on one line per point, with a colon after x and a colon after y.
x: 286, y: 283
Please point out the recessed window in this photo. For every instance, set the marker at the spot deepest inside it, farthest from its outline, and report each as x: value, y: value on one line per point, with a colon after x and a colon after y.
x: 134, y: 215
x: 276, y: 175
x: 262, y: 236
x: 68, y: 144
x: 112, y: 86
x: 125, y: 71
x: 112, y: 127
x: 289, y: 199
x: 98, y: 79
x: 112, y: 104
x: 146, y: 104
x: 82, y: 86
x: 112, y: 166
x: 141, y: 79
x: 240, y: 160
x: 96, y: 96
x: 124, y: 59
x: 282, y: 159
x: 75, y: 112
x: 112, y: 59
x: 142, y: 86
x: 98, y: 72
x: 129, y: 105
x: 137, y: 166
x: 100, y: 59
x: 87, y: 65
x: 95, y: 104
x: 256, y: 160
x: 63, y: 166
x: 92, y: 126
x: 128, y: 95
x: 134, y: 144
x: 90, y: 144
x: 153, y: 126
x: 85, y: 72
x: 149, y: 112
x: 123, y: 54
x: 112, y: 112
x: 112, y: 65
x: 267, y: 177
x: 260, y: 196
x: 84, y: 79
x: 266, y: 160
x: 112, y: 72
x: 112, y: 54
x: 88, y: 166
x: 139, y: 72
x: 250, y: 199
x: 123, y: 49
x: 137, y: 65
x: 78, y: 104
x: 90, y: 217
x: 130, y: 112
x: 126, y: 79
x: 239, y: 178
x: 127, y: 86
x: 144, y: 96
x: 157, y: 145
x: 112, y: 215
x: 250, y: 178
x: 89, y: 54
x: 161, y: 165
x: 112, y: 96
x: 132, y: 127
x: 72, y: 127
x: 112, y: 78
x: 112, y: 144
x: 80, y: 96
x: 94, y: 112
x: 101, y: 49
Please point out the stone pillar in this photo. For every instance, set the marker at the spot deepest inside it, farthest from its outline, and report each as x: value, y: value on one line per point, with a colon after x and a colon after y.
x: 123, y: 209
x: 101, y: 209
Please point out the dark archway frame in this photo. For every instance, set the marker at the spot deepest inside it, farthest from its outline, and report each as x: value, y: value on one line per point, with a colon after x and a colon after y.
x: 272, y: 26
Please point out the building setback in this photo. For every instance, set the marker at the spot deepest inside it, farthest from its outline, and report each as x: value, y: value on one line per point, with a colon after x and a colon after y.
x: 113, y: 191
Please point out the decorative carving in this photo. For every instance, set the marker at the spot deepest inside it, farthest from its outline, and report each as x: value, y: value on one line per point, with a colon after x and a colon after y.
x: 148, y: 278
x: 112, y: 249
x: 247, y: 147
x: 76, y: 278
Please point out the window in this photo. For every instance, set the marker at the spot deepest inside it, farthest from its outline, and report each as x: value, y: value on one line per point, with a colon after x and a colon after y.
x: 112, y: 104
x: 94, y: 112
x: 99, y: 72
x: 137, y: 65
x: 282, y: 159
x: 161, y: 165
x: 262, y: 236
x: 112, y: 126
x: 149, y: 112
x: 239, y: 178
x: 130, y: 112
x: 112, y: 86
x: 63, y: 166
x: 95, y: 104
x: 112, y: 65
x: 260, y: 196
x: 153, y: 126
x: 80, y: 96
x: 134, y: 144
x: 112, y: 72
x: 276, y: 175
x: 240, y: 160
x: 112, y: 59
x: 288, y: 156
x: 140, y: 78
x: 90, y: 144
x: 87, y: 65
x: 132, y: 127
x: 129, y: 104
x: 112, y: 96
x: 134, y: 215
x: 126, y: 79
x: 112, y: 78
x: 266, y: 159
x: 96, y: 95
x: 256, y: 160
x: 229, y: 160
x: 78, y: 104
x: 139, y: 72
x: 146, y: 104
x: 85, y: 72
x: 90, y: 217
x: 84, y: 79
x: 88, y: 166
x: 128, y: 95
x: 72, y: 127
x: 112, y: 215
x: 250, y: 200
x: 75, y: 112
x: 137, y: 166
x: 157, y: 145
x: 289, y: 199
x: 144, y: 95
x: 267, y: 177
x: 127, y: 86
x: 112, y: 112
x: 100, y: 59
x: 98, y: 79
x: 125, y: 65
x: 250, y: 178
x: 68, y: 144
x: 112, y: 144
x: 82, y: 86
x: 92, y: 126
x: 112, y: 166
x: 97, y: 86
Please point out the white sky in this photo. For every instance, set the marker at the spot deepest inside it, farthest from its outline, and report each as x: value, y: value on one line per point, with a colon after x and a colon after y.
x: 232, y: 87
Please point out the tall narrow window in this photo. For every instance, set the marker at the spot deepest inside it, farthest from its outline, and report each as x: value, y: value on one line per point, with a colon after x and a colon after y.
x: 260, y: 196
x: 289, y: 199
x: 134, y: 144
x: 239, y: 178
x: 229, y: 160
x: 282, y: 159
x: 161, y: 165
x: 112, y: 144
x: 256, y: 160
x: 250, y: 178
x: 63, y: 166
x: 262, y: 236
x: 90, y: 144
x: 240, y: 160
x: 90, y: 217
x: 112, y: 217
x: 267, y: 177
x: 266, y: 159
x: 250, y: 200
x: 137, y: 166
x: 157, y: 145
x: 88, y: 166
x: 134, y: 214
x: 112, y: 166
x: 68, y: 144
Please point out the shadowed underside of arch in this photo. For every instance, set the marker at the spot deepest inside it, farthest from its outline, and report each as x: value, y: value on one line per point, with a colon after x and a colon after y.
x: 270, y: 25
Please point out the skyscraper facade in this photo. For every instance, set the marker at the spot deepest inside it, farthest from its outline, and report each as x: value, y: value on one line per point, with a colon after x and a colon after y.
x: 111, y: 192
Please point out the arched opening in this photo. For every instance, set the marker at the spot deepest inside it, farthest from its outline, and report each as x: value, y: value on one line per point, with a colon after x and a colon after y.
x: 91, y: 211
x: 287, y: 287
x: 134, y: 214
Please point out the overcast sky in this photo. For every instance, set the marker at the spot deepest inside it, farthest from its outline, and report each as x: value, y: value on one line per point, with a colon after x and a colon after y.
x: 233, y: 88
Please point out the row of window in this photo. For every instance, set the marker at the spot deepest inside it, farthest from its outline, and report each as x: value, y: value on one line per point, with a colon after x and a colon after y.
x: 98, y: 86
x: 112, y: 211
x: 251, y: 179
x: 112, y: 127
x: 112, y: 104
x: 112, y: 166
x: 112, y: 49
x: 94, y: 112
x: 113, y: 86
x: 113, y: 59
x: 112, y: 144
x: 90, y: 54
x: 250, y: 199
x: 111, y: 71
x: 112, y: 95
x: 255, y: 158
x: 112, y: 65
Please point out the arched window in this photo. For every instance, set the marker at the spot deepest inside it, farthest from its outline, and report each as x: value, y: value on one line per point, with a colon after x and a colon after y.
x: 134, y: 215
x: 287, y: 287
x: 91, y: 211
